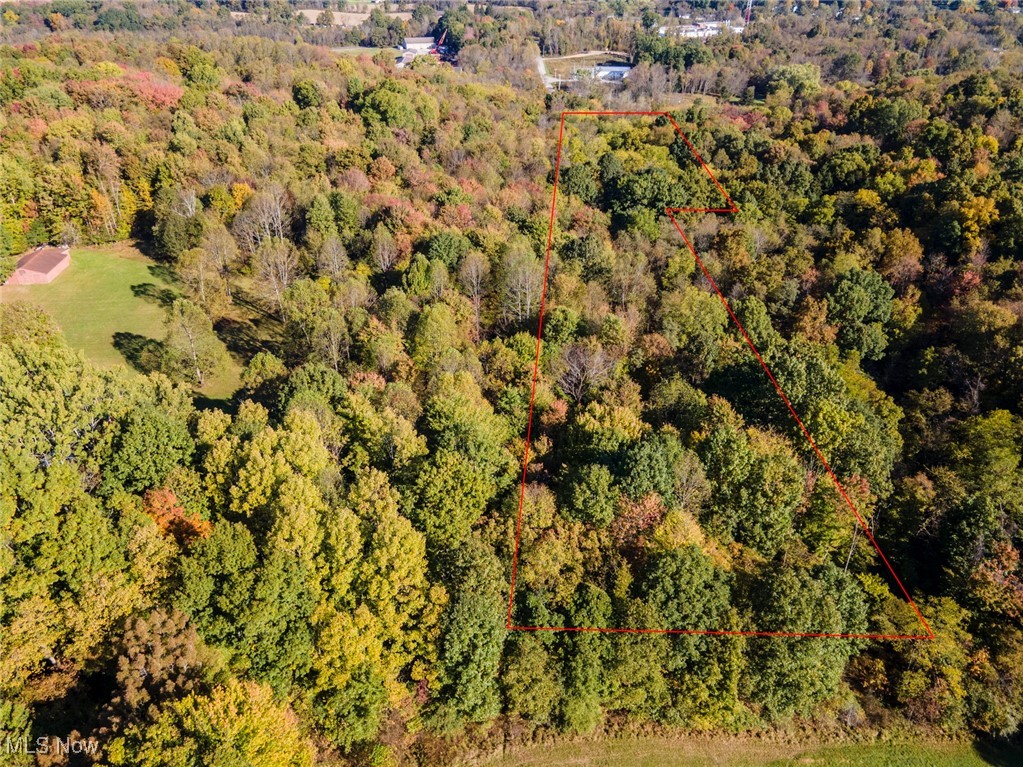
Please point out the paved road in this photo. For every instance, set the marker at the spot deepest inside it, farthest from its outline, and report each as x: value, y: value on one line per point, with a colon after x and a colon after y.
x: 549, y: 82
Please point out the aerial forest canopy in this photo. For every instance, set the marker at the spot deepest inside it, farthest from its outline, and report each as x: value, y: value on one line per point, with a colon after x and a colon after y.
x: 315, y: 566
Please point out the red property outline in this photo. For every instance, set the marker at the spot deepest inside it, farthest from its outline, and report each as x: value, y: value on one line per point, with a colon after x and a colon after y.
x: 749, y: 342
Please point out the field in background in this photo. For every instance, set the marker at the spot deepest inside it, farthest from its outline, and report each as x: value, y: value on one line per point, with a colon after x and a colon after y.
x: 700, y: 752
x: 109, y: 302
x: 362, y: 50
x: 348, y: 18
x: 341, y: 18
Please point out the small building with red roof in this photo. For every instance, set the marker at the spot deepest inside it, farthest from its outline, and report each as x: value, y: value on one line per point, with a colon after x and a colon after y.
x: 40, y: 265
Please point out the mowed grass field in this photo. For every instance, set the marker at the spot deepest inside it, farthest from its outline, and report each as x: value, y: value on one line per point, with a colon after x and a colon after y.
x: 707, y: 752
x: 360, y: 50
x: 109, y: 298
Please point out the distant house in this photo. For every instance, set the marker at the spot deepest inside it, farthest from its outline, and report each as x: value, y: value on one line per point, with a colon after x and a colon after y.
x: 419, y: 45
x: 40, y: 266
x: 700, y: 30
x: 611, y: 72
x: 415, y: 46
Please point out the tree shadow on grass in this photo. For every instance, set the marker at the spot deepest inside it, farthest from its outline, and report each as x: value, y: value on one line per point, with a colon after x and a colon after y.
x: 227, y: 405
x: 265, y: 329
x: 240, y: 338
x: 164, y: 272
x: 252, y: 304
x: 1001, y: 753
x: 143, y: 354
x: 151, y: 292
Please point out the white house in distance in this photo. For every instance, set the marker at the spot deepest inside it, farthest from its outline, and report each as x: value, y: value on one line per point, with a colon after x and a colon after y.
x: 419, y: 45
x: 416, y: 46
x: 611, y: 72
x: 700, y: 30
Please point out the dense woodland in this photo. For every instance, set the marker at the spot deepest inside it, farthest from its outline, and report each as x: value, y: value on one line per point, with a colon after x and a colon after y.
x: 317, y: 570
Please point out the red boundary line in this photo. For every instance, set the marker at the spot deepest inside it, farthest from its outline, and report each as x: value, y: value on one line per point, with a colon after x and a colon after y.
x: 749, y: 342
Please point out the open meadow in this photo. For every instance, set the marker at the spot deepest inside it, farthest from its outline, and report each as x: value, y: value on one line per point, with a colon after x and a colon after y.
x: 111, y: 303
x: 715, y: 752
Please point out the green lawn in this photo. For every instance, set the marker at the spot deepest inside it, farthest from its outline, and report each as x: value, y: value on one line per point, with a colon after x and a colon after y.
x: 361, y: 50
x: 903, y: 755
x: 707, y: 752
x: 110, y: 303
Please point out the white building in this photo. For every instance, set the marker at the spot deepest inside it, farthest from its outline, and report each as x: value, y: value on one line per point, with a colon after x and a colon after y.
x: 611, y: 72
x: 701, y: 30
x: 415, y: 46
x: 418, y: 45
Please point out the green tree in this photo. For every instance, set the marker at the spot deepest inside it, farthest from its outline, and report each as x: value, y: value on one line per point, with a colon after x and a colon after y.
x: 320, y: 223
x: 591, y: 495
x: 686, y: 590
x: 391, y: 106
x: 199, y: 69
x: 694, y: 322
x: 217, y: 578
x: 150, y: 443
x: 448, y: 495
x: 449, y: 247
x: 580, y: 179
x: 794, y: 675
x: 584, y: 661
x: 458, y: 418
x: 530, y: 679
x: 276, y: 636
x: 474, y: 633
x: 756, y: 485
x: 660, y: 464
x: 306, y: 93
x: 861, y: 306
x: 237, y: 723
x: 804, y: 80
x: 192, y: 349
